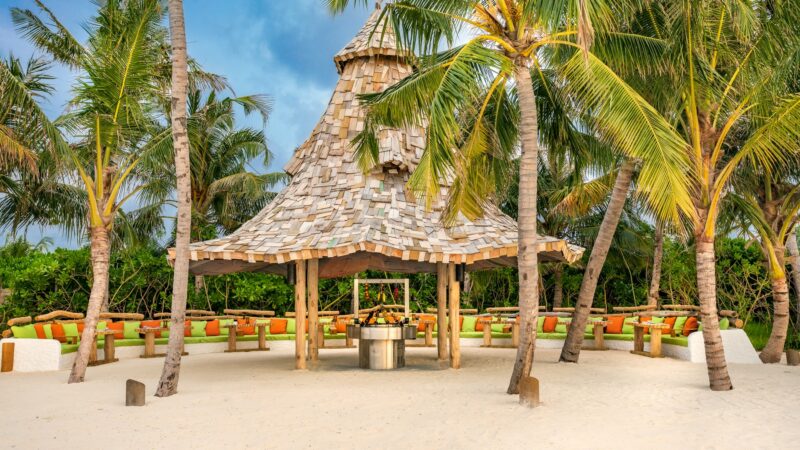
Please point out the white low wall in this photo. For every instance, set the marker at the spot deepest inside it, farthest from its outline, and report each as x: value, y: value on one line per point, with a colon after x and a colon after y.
x: 738, y: 349
x: 35, y: 355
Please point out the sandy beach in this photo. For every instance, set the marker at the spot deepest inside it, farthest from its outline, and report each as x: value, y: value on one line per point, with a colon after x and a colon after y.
x: 256, y: 400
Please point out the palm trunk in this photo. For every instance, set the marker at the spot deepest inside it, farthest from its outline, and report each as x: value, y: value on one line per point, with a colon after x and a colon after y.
x: 199, y: 283
x: 168, y: 385
x: 527, y: 257
x: 572, y: 345
x: 658, y: 255
x: 780, y: 319
x: 558, y: 288
x: 718, y: 377
x: 101, y: 252
x: 791, y: 245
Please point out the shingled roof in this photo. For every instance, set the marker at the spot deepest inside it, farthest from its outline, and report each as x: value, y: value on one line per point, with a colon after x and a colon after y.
x: 353, y: 221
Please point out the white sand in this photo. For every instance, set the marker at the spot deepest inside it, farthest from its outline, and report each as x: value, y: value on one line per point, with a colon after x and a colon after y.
x: 255, y: 400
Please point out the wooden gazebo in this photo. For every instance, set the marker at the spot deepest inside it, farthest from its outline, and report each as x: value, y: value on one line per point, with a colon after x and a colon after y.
x: 334, y: 220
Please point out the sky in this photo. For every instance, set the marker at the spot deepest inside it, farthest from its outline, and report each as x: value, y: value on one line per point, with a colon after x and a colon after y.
x: 282, y: 48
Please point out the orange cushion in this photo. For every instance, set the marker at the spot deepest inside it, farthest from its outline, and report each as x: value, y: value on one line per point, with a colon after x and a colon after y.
x: 479, y: 323
x: 152, y: 324
x: 277, y: 326
x: 187, y: 328
x: 118, y: 327
x: 341, y: 326
x: 247, y: 326
x: 643, y: 319
x: 80, y: 328
x: 460, y: 323
x: 614, y: 325
x: 212, y: 327
x: 423, y: 319
x: 671, y: 322
x: 549, y: 324
x: 40, y: 331
x: 690, y: 326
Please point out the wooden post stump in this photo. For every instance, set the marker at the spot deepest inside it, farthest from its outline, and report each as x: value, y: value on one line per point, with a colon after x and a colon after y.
x: 429, y: 334
x: 262, y: 337
x: 655, y: 342
x: 515, y: 334
x: 487, y: 333
x: 109, y: 349
x: 792, y: 357
x: 134, y: 393
x: 7, y: 364
x: 529, y: 392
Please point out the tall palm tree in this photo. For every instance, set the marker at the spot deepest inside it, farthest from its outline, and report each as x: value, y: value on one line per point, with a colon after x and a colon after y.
x: 492, y: 76
x: 725, y: 59
x: 168, y: 385
x: 112, y: 119
x: 769, y: 202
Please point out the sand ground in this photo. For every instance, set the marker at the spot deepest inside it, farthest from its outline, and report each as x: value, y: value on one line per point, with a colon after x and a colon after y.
x: 255, y: 400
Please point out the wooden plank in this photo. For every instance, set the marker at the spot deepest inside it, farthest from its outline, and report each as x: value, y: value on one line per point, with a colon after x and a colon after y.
x: 300, y: 310
x: 441, y: 302
x: 7, y: 364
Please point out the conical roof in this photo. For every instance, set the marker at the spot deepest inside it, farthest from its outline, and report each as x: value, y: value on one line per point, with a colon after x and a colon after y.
x: 369, y: 41
x: 353, y: 221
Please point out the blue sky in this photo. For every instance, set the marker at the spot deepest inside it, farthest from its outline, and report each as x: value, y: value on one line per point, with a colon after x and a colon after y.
x: 282, y: 48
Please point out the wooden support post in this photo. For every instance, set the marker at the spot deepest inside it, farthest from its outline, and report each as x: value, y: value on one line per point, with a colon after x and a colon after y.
x: 109, y: 349
x: 515, y: 334
x: 262, y: 337
x: 93, y: 351
x: 313, y: 309
x: 638, y: 339
x: 599, y: 337
x: 487, y: 333
x: 655, y: 342
x: 453, y: 325
x: 149, y: 344
x: 231, y: 339
x: 441, y: 309
x: 429, y: 334
x: 300, y: 316
x: 320, y: 335
x: 7, y: 364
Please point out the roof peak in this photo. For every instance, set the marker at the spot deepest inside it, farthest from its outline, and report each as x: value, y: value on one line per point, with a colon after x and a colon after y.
x: 371, y: 39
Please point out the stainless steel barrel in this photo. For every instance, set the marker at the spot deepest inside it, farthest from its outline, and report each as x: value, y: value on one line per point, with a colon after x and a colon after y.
x: 382, y: 347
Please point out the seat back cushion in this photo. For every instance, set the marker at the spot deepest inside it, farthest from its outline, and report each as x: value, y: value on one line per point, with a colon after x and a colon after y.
x: 627, y: 325
x: 153, y: 324
x: 129, y: 328
x: 690, y: 326
x: 198, y: 328
x: 540, y: 324
x: 549, y: 325
x: 678, y: 326
x: 291, y: 326
x: 278, y: 326
x: 223, y: 329
x: 40, y: 334
x: 671, y: 322
x: 724, y: 323
x: 118, y: 327
x: 212, y: 327
x: 24, y: 332
x: 614, y: 324
x: 70, y: 329
x: 469, y: 323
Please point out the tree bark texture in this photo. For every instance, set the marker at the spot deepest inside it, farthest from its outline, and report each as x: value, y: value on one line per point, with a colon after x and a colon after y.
x: 527, y: 257
x: 718, y: 377
x: 168, y: 385
x: 773, y: 351
x: 794, y: 254
x: 658, y: 255
x: 101, y: 252
x: 558, y: 286
x: 572, y: 345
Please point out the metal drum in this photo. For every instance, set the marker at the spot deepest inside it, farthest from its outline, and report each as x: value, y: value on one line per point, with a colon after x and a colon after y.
x: 381, y: 346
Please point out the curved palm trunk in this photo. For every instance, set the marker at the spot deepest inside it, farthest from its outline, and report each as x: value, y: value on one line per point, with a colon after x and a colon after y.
x: 658, y: 255
x: 101, y: 252
x: 718, y: 377
x: 780, y: 320
x: 168, y: 385
x: 558, y: 294
x: 527, y: 258
x: 794, y: 254
x: 572, y: 345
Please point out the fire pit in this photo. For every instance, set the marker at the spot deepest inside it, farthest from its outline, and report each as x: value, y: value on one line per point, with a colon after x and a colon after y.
x: 382, y: 346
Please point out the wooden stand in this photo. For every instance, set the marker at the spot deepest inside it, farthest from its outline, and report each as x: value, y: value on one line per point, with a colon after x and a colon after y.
x: 655, y: 339
x: 487, y: 333
x: 529, y: 392
x: 598, y: 329
x: 441, y: 310
x: 453, y: 323
x: 233, y: 330
x: 109, y: 351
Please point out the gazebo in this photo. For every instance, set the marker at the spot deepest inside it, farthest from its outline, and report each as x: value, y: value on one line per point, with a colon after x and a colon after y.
x: 334, y: 220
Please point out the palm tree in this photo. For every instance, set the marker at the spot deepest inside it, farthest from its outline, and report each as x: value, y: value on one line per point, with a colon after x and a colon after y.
x: 112, y: 119
x: 491, y: 77
x: 725, y: 59
x: 769, y: 202
x: 168, y: 385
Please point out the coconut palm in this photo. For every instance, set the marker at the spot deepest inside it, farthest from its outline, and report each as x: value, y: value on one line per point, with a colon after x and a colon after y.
x: 112, y: 119
x: 491, y: 76
x: 769, y: 201
x: 726, y: 58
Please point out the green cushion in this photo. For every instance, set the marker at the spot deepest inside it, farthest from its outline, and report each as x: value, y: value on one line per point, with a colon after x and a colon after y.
x: 291, y: 326
x: 48, y: 331
x: 469, y: 324
x: 681, y: 341
x: 325, y: 319
x: 657, y: 320
x: 129, y: 329
x: 699, y: 327
x: 561, y: 328
x: 540, y: 324
x: 24, y: 332
x: 469, y: 334
x: 590, y: 324
x: 627, y: 325
x: 679, y: 323
x: 497, y: 328
x: 102, y: 325
x: 70, y: 329
x: 724, y: 323
x: 199, y: 328
x: 223, y: 330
